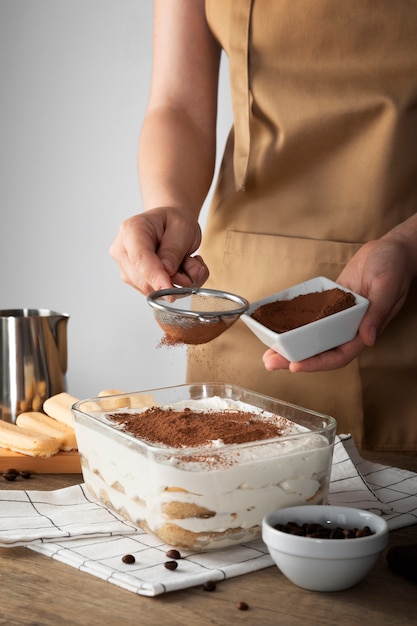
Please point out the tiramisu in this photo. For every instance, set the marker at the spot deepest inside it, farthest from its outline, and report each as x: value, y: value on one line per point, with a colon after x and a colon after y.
x: 202, y: 473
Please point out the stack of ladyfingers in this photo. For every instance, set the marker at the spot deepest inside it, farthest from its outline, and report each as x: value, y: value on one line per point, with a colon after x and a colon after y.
x: 42, y: 433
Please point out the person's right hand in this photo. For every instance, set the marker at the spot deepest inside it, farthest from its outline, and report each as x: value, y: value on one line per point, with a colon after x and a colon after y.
x: 151, y: 247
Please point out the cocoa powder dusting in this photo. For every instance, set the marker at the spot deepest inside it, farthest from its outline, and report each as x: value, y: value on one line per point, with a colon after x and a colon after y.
x: 284, y: 315
x: 192, y: 429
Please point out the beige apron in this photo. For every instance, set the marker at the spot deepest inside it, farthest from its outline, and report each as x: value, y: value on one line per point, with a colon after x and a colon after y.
x: 322, y: 157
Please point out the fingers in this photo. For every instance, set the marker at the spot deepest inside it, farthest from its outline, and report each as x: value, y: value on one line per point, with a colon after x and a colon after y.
x: 274, y: 361
x: 329, y: 360
x: 386, y: 298
x: 379, y: 272
x: 151, y: 247
x: 192, y: 272
x: 139, y: 266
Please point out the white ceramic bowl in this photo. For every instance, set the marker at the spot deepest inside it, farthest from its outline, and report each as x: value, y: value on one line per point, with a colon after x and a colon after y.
x: 325, y: 564
x: 313, y: 338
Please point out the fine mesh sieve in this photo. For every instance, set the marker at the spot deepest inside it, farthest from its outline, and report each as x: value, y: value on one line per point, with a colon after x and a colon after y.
x: 194, y: 316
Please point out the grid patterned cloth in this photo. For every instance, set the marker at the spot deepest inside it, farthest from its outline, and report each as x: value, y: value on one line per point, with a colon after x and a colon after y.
x: 68, y: 525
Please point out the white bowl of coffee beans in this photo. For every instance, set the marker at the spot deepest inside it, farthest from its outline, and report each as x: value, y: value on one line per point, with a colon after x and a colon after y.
x: 324, y: 548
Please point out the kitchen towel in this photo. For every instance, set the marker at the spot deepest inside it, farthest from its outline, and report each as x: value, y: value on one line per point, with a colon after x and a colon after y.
x: 70, y: 526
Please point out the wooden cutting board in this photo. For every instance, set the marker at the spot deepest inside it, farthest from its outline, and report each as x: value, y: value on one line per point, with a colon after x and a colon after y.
x: 61, y: 463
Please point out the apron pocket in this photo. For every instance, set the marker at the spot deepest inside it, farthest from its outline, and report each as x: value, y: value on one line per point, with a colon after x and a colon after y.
x: 258, y: 265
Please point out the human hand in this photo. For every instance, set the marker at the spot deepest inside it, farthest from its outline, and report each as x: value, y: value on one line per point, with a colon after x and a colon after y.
x: 150, y: 248
x: 380, y: 271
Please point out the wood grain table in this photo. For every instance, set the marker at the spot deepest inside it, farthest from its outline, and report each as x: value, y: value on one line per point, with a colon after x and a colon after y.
x: 38, y: 591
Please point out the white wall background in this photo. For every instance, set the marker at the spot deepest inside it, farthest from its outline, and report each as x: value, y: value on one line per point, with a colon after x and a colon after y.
x: 74, y: 78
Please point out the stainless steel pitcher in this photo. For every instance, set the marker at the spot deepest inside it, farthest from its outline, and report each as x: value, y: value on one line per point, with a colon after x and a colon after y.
x: 33, y: 353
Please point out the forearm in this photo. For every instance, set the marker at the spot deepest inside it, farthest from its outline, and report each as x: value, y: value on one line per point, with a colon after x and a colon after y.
x: 176, y: 160
x: 176, y: 152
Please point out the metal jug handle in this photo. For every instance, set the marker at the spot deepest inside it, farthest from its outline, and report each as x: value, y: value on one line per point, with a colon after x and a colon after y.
x: 59, y: 329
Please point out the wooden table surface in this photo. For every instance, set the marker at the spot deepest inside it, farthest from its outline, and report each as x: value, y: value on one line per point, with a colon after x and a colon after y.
x: 36, y: 590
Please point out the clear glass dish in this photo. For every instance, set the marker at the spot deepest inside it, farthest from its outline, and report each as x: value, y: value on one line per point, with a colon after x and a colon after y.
x: 205, y: 498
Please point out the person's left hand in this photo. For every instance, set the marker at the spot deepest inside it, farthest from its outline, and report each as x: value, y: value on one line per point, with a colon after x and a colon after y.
x: 380, y: 271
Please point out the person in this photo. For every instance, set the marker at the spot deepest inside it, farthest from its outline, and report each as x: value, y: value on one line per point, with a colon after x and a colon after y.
x: 318, y: 178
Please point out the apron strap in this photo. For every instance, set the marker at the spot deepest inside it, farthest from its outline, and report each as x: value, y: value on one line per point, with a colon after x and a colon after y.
x: 239, y: 71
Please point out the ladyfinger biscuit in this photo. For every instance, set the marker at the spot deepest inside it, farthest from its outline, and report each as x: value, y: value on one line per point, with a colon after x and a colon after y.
x: 26, y: 441
x: 114, y: 402
x: 111, y: 392
x: 59, y: 407
x: 45, y: 425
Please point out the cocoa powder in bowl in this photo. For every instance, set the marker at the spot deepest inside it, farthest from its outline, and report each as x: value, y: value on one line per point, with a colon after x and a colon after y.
x: 281, y: 316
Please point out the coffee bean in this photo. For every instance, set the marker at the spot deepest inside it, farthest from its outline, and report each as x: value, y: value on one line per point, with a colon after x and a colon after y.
x: 336, y: 533
x: 171, y: 565
x: 311, y: 528
x: 8, y: 475
x: 173, y: 554
x: 242, y: 606
x: 295, y: 529
x: 12, y: 474
x: 209, y: 585
x: 363, y: 532
x: 128, y: 558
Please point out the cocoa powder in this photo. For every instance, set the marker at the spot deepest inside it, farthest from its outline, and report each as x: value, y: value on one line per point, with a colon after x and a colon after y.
x: 192, y: 335
x: 284, y: 315
x: 191, y: 429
